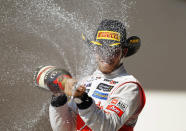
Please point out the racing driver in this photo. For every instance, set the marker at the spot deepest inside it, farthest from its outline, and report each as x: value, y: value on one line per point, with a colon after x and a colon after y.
x: 108, y: 100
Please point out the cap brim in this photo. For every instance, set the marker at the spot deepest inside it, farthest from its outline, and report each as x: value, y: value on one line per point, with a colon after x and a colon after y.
x: 101, y: 43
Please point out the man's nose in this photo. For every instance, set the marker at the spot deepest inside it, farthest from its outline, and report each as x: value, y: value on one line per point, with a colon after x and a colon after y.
x: 107, y: 59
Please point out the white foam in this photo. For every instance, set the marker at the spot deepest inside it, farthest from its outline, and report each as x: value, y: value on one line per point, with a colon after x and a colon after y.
x: 41, y: 18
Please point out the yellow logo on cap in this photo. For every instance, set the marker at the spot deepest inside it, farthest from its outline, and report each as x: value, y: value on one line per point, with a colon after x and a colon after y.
x: 134, y: 41
x: 108, y: 35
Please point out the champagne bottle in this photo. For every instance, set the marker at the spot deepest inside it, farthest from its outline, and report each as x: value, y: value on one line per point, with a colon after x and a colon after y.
x: 51, y: 78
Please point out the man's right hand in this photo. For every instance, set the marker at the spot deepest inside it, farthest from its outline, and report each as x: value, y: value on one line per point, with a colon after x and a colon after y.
x: 71, y: 90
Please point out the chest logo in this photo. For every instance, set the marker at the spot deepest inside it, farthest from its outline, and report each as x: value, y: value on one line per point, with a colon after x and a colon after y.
x: 100, y: 95
x: 104, y: 87
x: 111, y: 81
x: 88, y: 85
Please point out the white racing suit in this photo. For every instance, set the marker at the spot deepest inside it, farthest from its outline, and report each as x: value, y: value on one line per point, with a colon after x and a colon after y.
x: 118, y: 98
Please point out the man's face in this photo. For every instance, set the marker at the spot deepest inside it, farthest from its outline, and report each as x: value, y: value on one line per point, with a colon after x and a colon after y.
x: 108, y: 60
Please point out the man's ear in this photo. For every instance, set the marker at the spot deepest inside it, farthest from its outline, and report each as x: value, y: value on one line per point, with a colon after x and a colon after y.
x: 133, y: 43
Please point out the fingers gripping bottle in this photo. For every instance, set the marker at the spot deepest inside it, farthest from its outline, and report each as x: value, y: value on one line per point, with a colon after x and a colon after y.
x: 51, y: 78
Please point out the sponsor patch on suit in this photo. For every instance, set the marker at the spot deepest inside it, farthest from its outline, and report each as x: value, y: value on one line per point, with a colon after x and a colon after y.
x: 111, y: 81
x: 88, y: 85
x: 119, y: 104
x: 100, y: 95
x: 104, y: 87
x: 115, y: 109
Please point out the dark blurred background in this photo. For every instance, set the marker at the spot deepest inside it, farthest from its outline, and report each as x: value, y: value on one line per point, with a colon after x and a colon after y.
x: 48, y: 32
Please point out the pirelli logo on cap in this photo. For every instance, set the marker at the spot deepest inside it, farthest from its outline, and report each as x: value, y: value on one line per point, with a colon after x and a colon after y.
x: 108, y: 35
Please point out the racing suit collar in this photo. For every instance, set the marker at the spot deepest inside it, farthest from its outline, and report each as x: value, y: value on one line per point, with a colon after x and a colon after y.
x: 120, y: 70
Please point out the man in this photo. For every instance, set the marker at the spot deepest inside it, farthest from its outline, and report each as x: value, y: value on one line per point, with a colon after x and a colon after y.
x: 108, y: 100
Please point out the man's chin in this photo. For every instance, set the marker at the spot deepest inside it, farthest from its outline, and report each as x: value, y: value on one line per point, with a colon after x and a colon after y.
x: 105, y: 69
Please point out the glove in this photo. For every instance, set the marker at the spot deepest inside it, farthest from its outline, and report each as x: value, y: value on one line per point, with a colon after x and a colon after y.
x: 85, y: 103
x: 59, y: 100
